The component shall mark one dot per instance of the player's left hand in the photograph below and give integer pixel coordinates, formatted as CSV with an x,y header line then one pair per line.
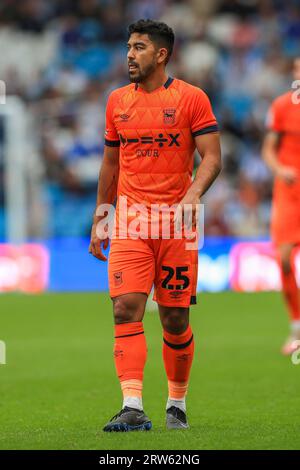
x,y
187,211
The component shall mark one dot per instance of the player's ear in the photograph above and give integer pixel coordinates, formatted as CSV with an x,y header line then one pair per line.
x,y
162,55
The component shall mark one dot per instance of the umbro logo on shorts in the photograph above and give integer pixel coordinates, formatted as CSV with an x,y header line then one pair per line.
x,y
175,294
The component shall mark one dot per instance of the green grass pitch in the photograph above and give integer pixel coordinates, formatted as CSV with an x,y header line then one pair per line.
x,y
59,386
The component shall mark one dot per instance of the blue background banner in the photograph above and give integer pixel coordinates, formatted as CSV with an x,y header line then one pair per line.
x,y
72,268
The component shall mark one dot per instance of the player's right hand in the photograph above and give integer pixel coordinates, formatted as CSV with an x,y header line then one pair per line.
x,y
96,244
287,174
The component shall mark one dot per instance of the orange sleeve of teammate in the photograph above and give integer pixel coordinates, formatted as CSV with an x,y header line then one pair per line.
x,y
274,117
111,134
202,117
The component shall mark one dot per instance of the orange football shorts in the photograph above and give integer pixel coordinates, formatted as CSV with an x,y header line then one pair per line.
x,y
285,218
135,265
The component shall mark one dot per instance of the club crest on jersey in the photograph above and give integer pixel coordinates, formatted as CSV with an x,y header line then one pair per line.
x,y
169,115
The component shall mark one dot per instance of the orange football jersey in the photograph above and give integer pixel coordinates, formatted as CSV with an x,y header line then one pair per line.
x,y
284,118
155,132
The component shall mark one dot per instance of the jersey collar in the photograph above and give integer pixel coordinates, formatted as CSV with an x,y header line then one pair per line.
x,y
165,85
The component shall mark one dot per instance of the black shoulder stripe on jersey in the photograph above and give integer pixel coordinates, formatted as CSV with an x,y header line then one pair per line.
x,y
112,143
168,82
179,346
206,130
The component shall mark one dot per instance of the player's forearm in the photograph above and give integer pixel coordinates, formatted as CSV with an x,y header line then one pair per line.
x,y
107,185
270,157
270,151
271,160
206,174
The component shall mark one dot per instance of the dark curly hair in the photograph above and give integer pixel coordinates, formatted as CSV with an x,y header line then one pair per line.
x,y
159,33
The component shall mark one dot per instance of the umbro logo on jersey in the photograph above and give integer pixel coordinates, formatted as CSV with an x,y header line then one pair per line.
x,y
161,139
169,115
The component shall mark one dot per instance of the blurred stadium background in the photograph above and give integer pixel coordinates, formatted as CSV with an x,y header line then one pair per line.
x,y
60,59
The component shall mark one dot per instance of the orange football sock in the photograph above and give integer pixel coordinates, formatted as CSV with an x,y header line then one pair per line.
x,y
291,292
178,353
130,353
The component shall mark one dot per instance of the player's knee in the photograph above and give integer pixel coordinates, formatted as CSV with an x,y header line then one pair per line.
x,y
175,321
285,261
126,310
122,313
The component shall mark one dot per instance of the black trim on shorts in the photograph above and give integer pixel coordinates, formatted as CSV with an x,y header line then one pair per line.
x,y
206,130
179,346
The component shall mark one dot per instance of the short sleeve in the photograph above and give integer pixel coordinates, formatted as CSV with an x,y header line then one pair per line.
x,y
274,118
203,119
111,138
